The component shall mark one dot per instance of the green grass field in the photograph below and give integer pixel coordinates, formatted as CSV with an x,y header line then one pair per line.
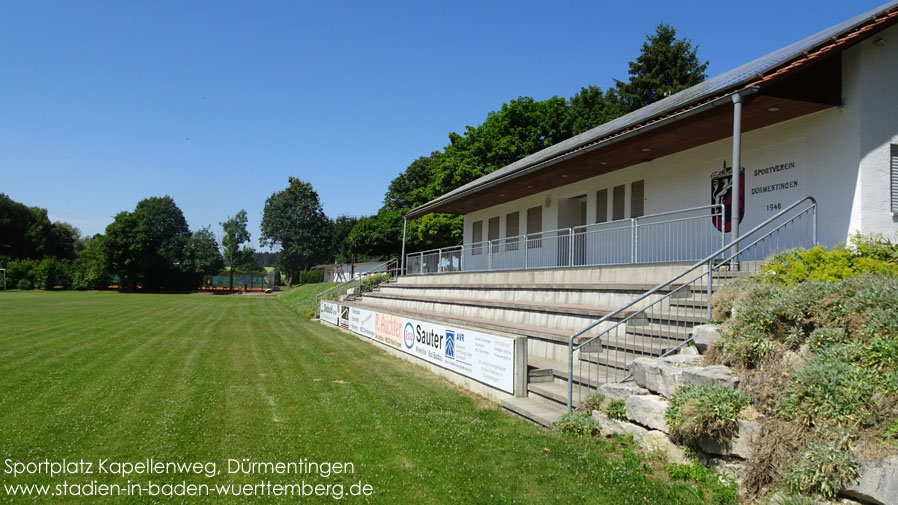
x,y
205,378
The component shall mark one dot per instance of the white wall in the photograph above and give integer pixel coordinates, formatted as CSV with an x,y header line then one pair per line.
x,y
840,156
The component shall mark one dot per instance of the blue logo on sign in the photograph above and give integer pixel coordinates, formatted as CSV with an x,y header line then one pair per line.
x,y
409,335
450,344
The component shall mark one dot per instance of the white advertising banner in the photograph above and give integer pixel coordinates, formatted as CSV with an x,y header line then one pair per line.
x,y
330,312
483,357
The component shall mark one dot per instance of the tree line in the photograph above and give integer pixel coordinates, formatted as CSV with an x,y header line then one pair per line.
x,y
153,247
666,64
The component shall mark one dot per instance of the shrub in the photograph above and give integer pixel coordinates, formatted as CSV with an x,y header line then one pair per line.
x,y
865,254
369,283
593,401
616,409
830,390
311,276
823,468
24,285
696,411
578,424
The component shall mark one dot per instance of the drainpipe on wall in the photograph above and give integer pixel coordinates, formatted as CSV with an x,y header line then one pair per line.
x,y
402,260
737,165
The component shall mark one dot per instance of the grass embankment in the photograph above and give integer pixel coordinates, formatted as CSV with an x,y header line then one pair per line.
x,y
208,378
815,340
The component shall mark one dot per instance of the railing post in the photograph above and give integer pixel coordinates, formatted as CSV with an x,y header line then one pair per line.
x,y
710,282
439,260
634,225
402,257
814,225
525,252
570,259
570,375
489,257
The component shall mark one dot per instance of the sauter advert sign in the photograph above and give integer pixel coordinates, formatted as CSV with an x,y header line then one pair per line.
x,y
483,357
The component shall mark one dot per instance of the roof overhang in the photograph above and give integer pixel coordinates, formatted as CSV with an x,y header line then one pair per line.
x,y
808,83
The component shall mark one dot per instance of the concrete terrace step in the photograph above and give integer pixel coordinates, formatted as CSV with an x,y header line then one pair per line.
x,y
624,288
494,326
556,391
585,374
641,344
535,409
663,331
578,310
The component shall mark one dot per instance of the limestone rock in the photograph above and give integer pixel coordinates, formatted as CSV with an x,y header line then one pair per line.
x,y
661,375
610,426
688,350
621,390
704,335
647,410
740,445
878,483
711,375
650,440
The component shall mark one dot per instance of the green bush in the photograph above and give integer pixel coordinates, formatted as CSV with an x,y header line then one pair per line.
x,y
703,411
865,254
823,468
578,424
593,401
724,489
858,309
369,283
311,276
24,285
831,390
616,409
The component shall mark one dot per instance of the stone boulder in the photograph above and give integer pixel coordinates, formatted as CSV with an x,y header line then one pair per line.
x,y
704,335
711,375
649,440
648,411
878,483
740,445
662,375
621,390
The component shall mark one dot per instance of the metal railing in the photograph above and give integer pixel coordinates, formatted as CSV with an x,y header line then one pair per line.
x,y
681,235
390,268
661,320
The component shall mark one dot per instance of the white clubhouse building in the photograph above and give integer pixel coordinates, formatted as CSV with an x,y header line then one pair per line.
x,y
818,118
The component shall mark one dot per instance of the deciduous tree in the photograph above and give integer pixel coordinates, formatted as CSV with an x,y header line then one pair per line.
x,y
294,220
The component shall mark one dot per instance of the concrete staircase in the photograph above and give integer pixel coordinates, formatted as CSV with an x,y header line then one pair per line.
x,y
547,306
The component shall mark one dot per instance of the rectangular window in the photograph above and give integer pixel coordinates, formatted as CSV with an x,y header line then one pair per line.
x,y
534,226
894,179
617,211
637,199
512,230
602,206
493,232
476,237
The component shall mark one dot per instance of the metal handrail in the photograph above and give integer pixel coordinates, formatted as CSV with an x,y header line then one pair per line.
x,y
579,227
699,264
379,269
573,234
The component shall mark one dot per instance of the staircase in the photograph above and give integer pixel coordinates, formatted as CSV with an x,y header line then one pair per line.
x,y
585,325
547,306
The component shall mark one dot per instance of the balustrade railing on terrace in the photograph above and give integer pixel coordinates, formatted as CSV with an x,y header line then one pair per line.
x,y
388,269
660,321
681,235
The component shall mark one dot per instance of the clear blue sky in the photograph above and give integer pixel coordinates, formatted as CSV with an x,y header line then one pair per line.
x,y
217,103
